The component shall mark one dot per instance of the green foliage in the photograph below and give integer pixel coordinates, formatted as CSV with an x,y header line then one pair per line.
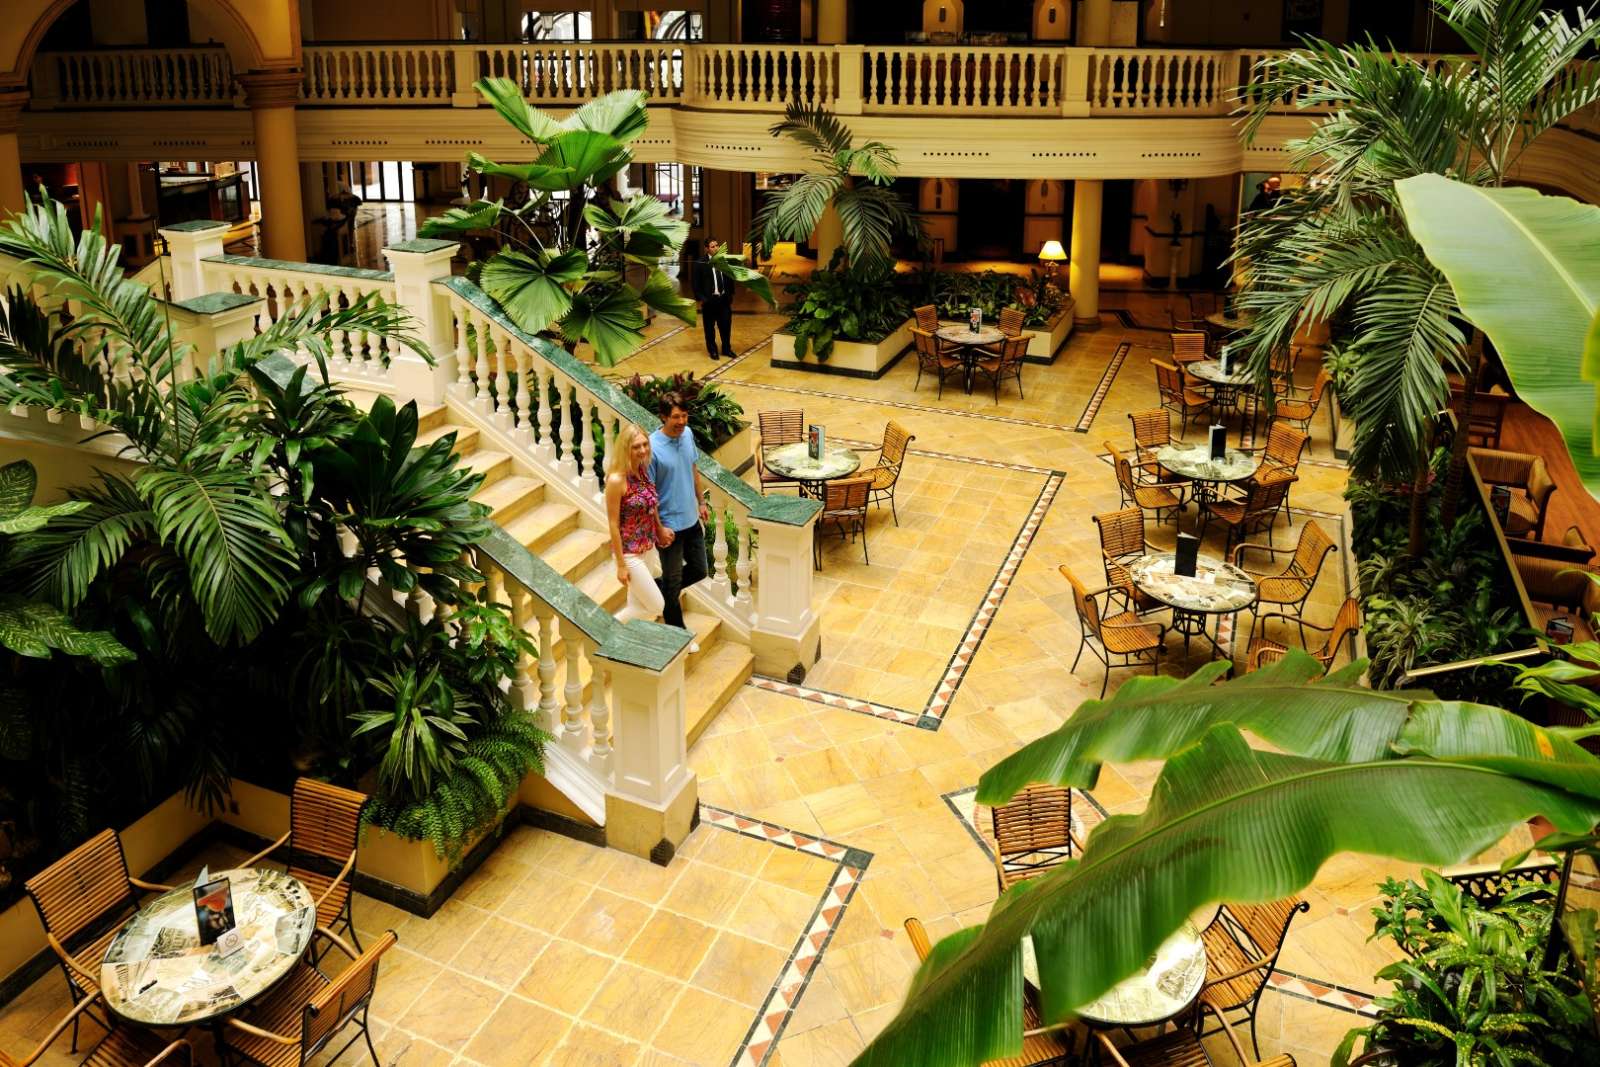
x,y
714,415
955,293
1472,990
846,304
545,276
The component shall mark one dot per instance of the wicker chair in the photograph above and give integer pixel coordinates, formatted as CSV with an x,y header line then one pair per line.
x,y
1123,635
928,318
1288,589
1176,395
1033,833
1152,431
1285,445
844,507
778,428
1257,510
1528,478
307,1002
1300,411
1263,650
1010,324
1147,496
1121,542
1180,1048
83,898
1242,946
1051,1047
1008,364
886,474
1188,348
1488,414
324,825
122,1046
932,358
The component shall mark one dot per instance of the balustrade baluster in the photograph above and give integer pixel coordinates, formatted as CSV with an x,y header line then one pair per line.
x,y
599,716
719,551
526,684
337,340
524,398
548,712
744,569
481,330
463,358
547,415
569,438
590,482
501,408
572,724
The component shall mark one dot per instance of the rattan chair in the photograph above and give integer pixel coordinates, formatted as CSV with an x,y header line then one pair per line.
x,y
1257,510
83,898
303,1014
1123,634
1285,446
932,358
1177,396
122,1046
1008,364
324,826
1300,411
1242,946
1033,833
928,318
1121,542
1180,1047
777,428
891,458
1288,589
1262,650
1152,431
1051,1047
1010,324
844,507
1527,476
1488,414
1158,497
1188,348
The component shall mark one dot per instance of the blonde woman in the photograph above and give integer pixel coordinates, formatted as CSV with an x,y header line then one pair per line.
x,y
632,506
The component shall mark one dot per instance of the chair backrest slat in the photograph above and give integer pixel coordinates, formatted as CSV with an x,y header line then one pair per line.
x,y
1285,445
1011,321
83,887
896,440
1312,549
324,820
785,427
1038,817
1151,429
1121,532
1191,346
1347,622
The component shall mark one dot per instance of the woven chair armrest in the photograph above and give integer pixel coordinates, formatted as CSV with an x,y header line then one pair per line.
x,y
269,850
188,1052
258,1032
1290,618
1227,1028
1105,1043
343,945
1238,550
344,872
1133,626
66,958
59,1028
1240,972
153,887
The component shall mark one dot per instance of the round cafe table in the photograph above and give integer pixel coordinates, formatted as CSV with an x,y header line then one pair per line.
x,y
970,344
795,463
1161,991
156,972
1217,588
1226,388
1194,462
1242,320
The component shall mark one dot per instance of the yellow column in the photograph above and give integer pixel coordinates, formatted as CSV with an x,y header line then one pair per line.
x,y
828,235
832,21
271,95
1085,269
12,197
1095,29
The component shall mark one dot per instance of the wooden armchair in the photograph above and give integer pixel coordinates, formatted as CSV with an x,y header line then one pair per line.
x,y
1281,456
777,428
83,899
1188,348
1177,396
1263,650
891,458
1242,946
122,1046
1010,324
1033,833
844,507
298,1019
1152,431
927,318
1039,1046
1488,414
1288,589
1529,480
1258,509
1301,410
1122,541
932,358
1123,635
324,825
1159,497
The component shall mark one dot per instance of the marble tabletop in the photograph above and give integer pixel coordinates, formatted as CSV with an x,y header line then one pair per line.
x,y
1216,587
1195,462
1210,370
1241,320
794,461
1162,990
961,335
157,973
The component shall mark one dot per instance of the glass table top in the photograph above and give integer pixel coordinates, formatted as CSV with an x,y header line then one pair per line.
x,y
1215,587
1194,461
794,461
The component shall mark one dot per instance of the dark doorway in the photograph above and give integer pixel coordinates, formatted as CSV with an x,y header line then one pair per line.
x,y
1116,208
166,23
990,224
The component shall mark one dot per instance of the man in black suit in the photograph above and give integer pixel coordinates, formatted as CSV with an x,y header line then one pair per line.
x,y
714,290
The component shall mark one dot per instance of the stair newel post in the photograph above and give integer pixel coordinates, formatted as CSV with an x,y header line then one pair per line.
x,y
189,245
420,267
524,433
480,330
569,438
463,384
599,712
653,797
527,688
572,711
745,571
787,634
547,416
588,480
549,714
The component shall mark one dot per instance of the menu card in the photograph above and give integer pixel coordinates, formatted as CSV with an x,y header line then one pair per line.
x,y
814,441
1188,555
1219,441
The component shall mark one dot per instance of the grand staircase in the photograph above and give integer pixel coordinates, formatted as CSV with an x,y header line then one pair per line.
x,y
578,548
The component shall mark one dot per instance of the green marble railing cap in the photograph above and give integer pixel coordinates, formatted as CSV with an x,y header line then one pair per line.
x,y
784,511
422,244
648,645
211,303
196,226
292,267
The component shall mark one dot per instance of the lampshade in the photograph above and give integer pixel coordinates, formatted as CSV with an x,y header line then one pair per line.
x,y
1053,252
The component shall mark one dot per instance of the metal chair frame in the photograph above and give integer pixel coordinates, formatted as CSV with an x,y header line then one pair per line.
x,y
1309,554
1092,624
845,507
1226,922
1176,395
120,1047
311,793
932,357
891,460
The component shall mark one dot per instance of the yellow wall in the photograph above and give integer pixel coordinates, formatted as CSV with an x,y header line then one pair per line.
x,y
394,20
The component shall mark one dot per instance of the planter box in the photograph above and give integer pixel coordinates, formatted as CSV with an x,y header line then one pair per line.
x,y
1047,340
737,453
853,359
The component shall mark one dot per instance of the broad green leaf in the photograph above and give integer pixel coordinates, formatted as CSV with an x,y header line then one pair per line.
x,y
643,226
63,559
454,222
36,518
18,480
579,157
532,289
610,321
661,292
34,628
735,268
505,96
1489,737
621,114
1225,822
531,173
1526,270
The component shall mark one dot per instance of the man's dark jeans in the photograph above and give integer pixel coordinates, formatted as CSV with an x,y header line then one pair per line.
x,y
682,564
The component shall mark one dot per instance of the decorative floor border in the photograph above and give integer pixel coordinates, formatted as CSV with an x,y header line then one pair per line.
x,y
836,700
784,996
1098,397
725,365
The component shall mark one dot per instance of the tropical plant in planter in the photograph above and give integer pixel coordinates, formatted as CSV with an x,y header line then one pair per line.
x,y
715,416
956,292
838,304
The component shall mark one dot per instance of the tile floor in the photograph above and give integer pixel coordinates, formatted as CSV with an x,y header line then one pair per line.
x,y
776,935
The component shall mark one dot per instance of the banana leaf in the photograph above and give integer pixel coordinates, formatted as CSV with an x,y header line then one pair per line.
x,y
1526,271
754,280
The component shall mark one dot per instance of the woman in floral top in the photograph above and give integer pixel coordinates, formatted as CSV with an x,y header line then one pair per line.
x,y
635,524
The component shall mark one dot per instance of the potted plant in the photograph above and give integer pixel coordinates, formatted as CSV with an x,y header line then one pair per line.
x,y
856,322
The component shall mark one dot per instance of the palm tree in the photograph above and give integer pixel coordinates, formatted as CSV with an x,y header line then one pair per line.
x,y
1340,250
1342,768
871,215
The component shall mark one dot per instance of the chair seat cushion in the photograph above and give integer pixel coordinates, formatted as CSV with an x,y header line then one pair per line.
x,y
882,477
1193,399
1524,516
771,477
1126,632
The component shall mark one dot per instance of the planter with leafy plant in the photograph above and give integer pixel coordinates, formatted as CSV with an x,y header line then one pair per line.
x,y
715,417
853,322
1046,308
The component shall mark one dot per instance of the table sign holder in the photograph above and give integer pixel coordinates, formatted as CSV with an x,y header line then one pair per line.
x,y
1559,630
814,441
1500,501
1227,361
213,911
230,942
1187,556
975,319
1219,441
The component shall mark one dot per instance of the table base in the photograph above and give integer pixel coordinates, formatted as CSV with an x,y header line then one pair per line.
x,y
1192,624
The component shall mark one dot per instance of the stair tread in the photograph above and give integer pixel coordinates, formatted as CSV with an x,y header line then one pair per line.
x,y
568,554
509,496
466,437
711,682
482,459
601,586
535,525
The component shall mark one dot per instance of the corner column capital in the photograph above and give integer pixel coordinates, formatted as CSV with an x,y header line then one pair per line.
x,y
270,88
13,98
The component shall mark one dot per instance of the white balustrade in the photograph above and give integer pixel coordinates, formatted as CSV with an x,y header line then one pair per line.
x,y
378,74
764,77
1147,81
963,80
162,77
573,73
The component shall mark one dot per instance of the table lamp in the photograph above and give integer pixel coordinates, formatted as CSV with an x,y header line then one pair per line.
x,y
1051,254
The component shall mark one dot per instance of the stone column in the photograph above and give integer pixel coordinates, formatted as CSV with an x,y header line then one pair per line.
x,y
833,21
313,201
1085,269
1095,29
828,235
12,197
271,96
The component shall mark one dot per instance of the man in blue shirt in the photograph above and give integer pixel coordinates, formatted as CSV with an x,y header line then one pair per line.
x,y
682,506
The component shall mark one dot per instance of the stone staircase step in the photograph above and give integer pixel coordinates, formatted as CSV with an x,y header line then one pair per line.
x,y
707,630
576,551
712,682
510,497
601,586
466,437
491,464
543,525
